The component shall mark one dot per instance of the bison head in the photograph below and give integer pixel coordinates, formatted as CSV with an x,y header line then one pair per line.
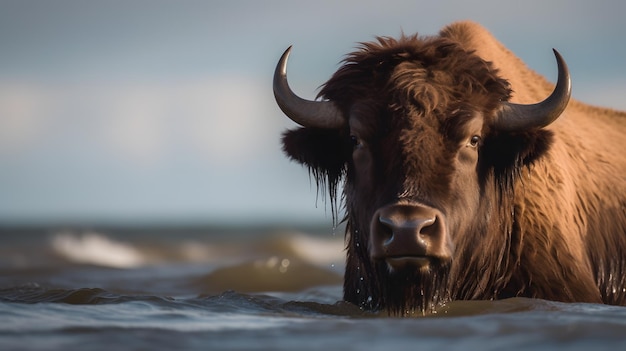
x,y
429,148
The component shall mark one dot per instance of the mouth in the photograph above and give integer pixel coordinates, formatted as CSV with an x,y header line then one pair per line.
x,y
404,262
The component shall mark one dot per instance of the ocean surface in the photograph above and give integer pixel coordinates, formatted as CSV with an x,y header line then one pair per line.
x,y
244,289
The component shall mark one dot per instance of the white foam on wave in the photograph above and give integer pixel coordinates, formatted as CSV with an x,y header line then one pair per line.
x,y
194,251
319,251
94,248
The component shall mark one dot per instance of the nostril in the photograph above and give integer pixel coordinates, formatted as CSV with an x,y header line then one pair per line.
x,y
428,228
387,225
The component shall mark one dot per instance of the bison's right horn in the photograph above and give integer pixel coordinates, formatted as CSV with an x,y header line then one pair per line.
x,y
307,113
518,117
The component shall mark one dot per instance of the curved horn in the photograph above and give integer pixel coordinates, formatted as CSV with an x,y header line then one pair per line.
x,y
307,113
516,117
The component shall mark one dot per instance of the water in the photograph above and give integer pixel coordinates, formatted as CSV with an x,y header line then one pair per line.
x,y
245,289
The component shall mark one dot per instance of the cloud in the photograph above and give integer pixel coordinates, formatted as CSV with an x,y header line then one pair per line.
x,y
21,112
222,119
134,127
226,118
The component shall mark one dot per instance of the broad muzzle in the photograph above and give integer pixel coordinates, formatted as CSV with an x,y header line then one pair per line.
x,y
409,234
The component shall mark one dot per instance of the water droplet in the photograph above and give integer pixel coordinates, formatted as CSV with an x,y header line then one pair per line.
x,y
284,264
358,291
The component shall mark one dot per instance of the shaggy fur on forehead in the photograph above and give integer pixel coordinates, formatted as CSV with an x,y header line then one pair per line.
x,y
428,74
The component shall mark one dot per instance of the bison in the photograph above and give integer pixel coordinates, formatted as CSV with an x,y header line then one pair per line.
x,y
457,183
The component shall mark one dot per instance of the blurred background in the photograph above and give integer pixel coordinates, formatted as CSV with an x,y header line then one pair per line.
x,y
161,112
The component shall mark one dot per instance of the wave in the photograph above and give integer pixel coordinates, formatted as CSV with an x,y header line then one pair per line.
x,y
225,302
97,249
310,302
105,250
176,263
278,291
272,274
317,251
39,318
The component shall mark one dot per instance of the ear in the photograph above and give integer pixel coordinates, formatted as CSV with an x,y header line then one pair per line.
x,y
507,153
322,150
325,152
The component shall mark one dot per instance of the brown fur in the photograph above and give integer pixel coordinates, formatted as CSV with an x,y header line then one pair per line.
x,y
534,214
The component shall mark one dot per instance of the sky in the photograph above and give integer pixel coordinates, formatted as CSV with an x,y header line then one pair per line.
x,y
147,112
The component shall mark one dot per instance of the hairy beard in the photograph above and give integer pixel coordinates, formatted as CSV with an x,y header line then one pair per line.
x,y
415,291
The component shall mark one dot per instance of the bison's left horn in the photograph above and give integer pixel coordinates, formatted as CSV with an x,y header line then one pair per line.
x,y
307,113
517,117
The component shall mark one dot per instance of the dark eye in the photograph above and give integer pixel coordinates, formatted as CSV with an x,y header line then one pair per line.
x,y
474,141
355,141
